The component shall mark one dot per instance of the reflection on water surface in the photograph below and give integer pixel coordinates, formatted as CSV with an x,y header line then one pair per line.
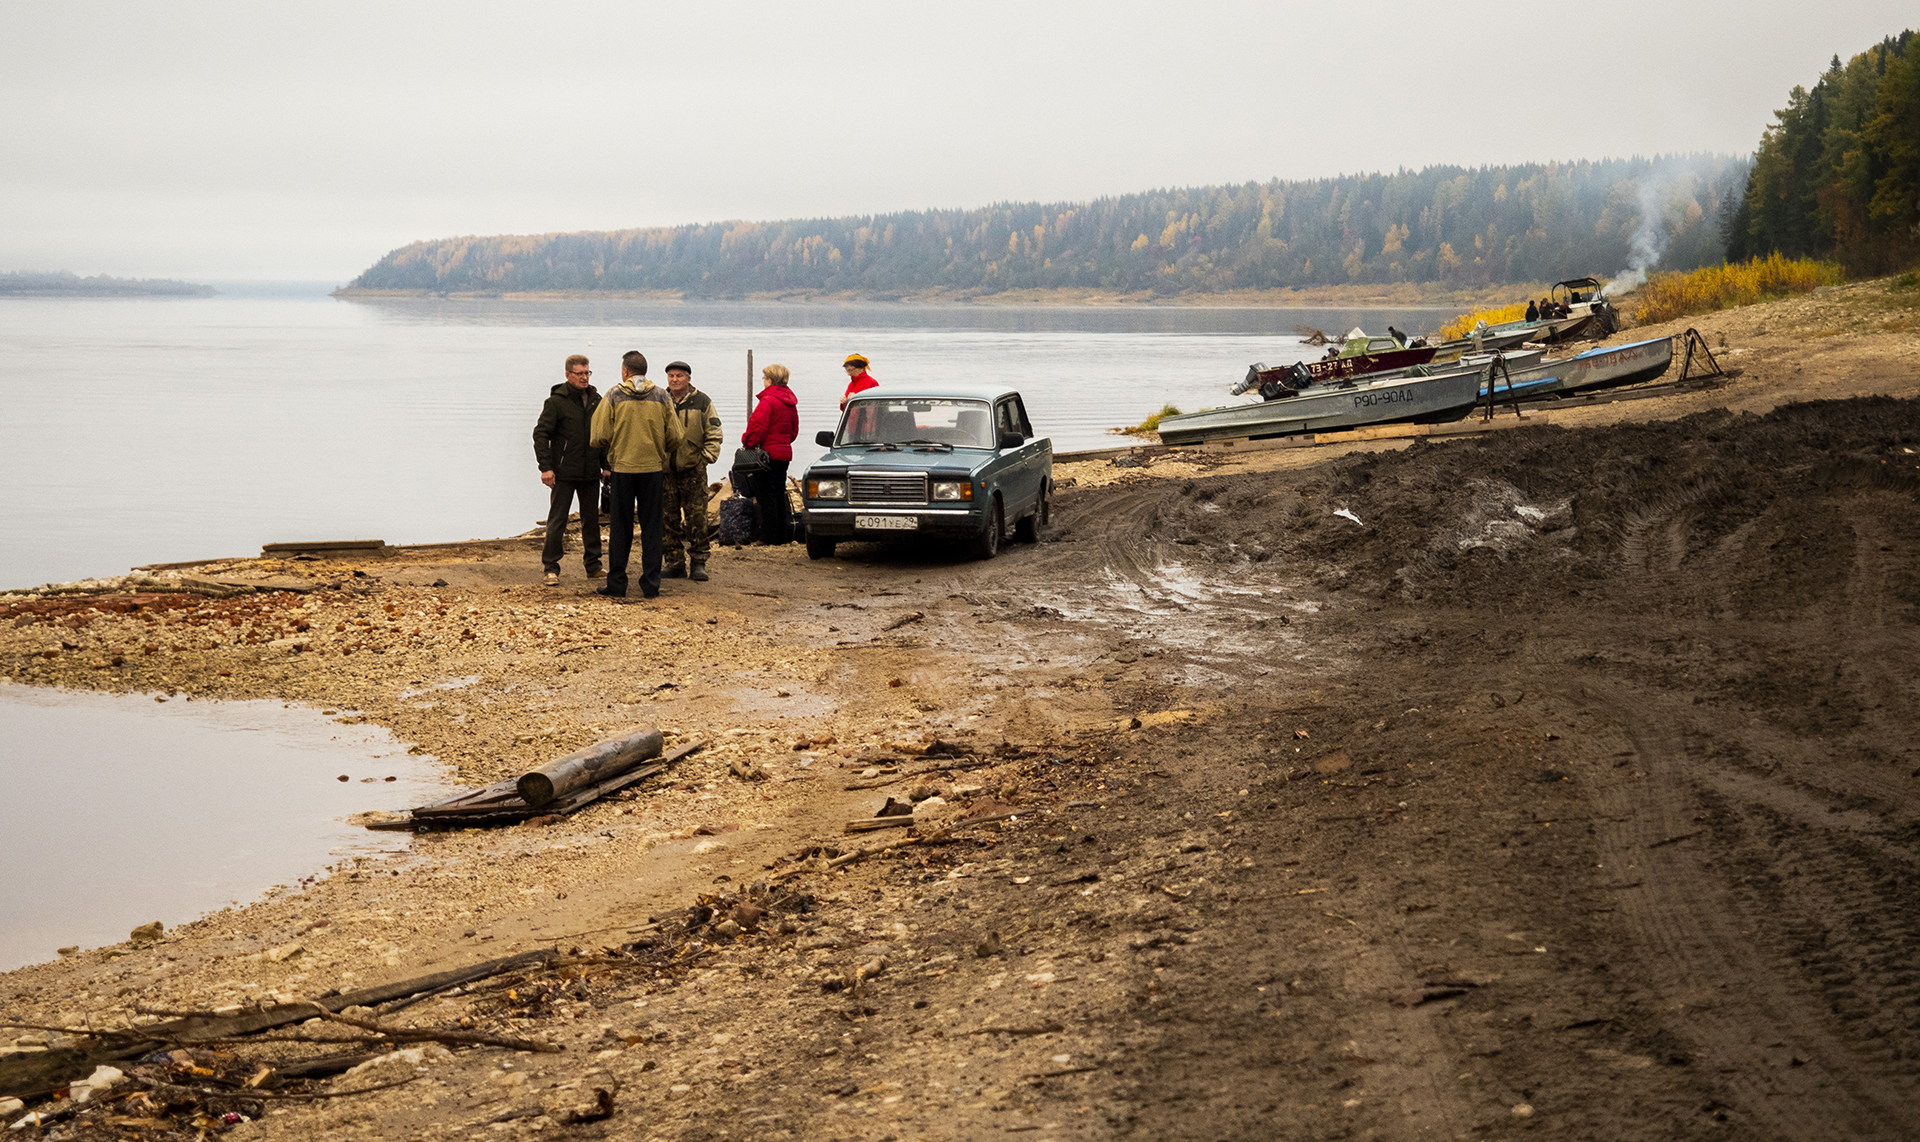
x,y
123,810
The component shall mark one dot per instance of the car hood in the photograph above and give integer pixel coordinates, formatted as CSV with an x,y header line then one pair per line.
x,y
960,459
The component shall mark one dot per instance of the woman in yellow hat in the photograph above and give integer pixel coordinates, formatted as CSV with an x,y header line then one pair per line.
x,y
858,379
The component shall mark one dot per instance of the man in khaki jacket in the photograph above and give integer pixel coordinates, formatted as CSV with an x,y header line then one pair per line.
x,y
686,492
640,434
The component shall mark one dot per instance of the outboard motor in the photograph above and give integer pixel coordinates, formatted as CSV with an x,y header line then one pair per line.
x,y
1252,379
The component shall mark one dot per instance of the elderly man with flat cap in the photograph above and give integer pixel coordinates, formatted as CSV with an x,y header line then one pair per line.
x,y
685,499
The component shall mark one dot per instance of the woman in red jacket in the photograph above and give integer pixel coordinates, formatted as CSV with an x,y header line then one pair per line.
x,y
773,426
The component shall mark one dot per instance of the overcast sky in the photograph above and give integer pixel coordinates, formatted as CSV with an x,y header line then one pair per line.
x,y
305,140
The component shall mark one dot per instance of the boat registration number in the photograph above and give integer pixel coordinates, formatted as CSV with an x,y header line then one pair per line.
x,y
887,522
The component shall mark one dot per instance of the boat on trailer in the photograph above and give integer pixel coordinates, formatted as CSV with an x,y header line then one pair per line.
x,y
1420,394
1359,355
1609,366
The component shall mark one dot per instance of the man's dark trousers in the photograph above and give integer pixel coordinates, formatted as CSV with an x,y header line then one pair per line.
x,y
559,506
646,489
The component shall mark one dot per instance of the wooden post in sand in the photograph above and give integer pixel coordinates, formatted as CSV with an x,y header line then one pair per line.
x,y
588,766
749,385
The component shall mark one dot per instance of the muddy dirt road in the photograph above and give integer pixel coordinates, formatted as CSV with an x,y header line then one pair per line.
x,y
1572,788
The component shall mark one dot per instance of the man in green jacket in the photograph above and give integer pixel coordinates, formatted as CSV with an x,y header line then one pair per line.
x,y
686,492
569,467
636,426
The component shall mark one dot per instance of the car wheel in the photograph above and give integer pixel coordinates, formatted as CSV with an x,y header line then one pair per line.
x,y
988,545
1027,530
819,547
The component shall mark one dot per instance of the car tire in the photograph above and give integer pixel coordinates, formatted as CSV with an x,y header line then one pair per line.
x,y
1027,530
820,547
988,544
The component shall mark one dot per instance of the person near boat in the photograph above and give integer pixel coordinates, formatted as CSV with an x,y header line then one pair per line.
x,y
1533,310
772,427
570,467
637,427
685,495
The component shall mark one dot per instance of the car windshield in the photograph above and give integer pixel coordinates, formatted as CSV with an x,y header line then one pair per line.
x,y
917,421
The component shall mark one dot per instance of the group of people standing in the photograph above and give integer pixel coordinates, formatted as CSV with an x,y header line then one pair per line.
x,y
1546,310
650,448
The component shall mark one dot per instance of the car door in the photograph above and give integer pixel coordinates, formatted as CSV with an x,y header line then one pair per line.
x,y
1018,486
1038,457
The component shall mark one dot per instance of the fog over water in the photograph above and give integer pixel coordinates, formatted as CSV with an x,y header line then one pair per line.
x,y
146,430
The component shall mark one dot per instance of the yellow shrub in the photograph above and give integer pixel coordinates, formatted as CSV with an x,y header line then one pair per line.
x,y
1148,426
1463,325
1667,296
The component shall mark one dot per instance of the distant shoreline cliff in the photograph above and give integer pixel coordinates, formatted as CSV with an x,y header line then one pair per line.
x,y
64,284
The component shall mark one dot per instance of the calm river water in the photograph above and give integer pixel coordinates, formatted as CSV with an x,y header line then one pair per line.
x,y
124,810
152,430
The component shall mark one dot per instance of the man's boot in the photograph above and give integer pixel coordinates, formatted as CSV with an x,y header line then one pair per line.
x,y
699,572
673,571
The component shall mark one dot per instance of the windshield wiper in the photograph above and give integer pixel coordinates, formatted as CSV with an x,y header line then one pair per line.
x,y
883,447
930,443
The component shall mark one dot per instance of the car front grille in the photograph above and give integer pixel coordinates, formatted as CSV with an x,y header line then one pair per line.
x,y
876,489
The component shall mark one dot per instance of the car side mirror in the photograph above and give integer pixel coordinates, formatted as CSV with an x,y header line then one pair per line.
x,y
1012,439
823,438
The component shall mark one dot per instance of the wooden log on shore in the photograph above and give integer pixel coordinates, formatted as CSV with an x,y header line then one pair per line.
x,y
337,547
589,766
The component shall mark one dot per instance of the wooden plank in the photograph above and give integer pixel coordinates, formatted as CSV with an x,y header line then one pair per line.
x,y
1373,432
1102,453
274,583
1498,423
369,546
191,563
1298,440
869,824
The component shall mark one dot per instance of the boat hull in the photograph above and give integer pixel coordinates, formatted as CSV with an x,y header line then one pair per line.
x,y
1606,367
1332,369
1445,396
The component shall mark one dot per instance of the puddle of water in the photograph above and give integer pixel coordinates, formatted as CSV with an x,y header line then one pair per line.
x,y
123,810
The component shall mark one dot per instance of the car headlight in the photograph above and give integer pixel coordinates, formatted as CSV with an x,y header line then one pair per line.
x,y
827,489
952,490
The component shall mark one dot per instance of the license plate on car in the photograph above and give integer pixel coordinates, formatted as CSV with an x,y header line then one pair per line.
x,y
887,522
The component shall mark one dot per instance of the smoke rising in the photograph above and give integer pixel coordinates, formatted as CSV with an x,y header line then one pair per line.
x,y
1649,240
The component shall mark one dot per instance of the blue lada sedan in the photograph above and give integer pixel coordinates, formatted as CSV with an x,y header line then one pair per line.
x,y
947,462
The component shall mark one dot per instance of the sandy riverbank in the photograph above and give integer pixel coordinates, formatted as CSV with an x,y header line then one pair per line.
x,y
1462,819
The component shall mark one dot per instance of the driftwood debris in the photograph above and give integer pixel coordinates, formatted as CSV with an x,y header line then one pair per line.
x,y
869,824
41,1073
336,547
953,764
589,766
502,804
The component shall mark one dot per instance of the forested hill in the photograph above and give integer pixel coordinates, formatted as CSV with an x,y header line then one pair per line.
x,y
1838,174
65,284
1447,224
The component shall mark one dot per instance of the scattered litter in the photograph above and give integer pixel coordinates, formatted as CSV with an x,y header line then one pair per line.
x,y
1344,513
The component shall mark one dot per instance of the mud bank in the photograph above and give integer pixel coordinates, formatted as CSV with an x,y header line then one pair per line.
x,y
1572,789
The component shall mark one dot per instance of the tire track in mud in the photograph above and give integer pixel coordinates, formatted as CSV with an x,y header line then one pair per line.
x,y
1112,572
1734,1002
1766,869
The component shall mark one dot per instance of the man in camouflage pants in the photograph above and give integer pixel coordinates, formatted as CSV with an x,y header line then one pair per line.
x,y
688,541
